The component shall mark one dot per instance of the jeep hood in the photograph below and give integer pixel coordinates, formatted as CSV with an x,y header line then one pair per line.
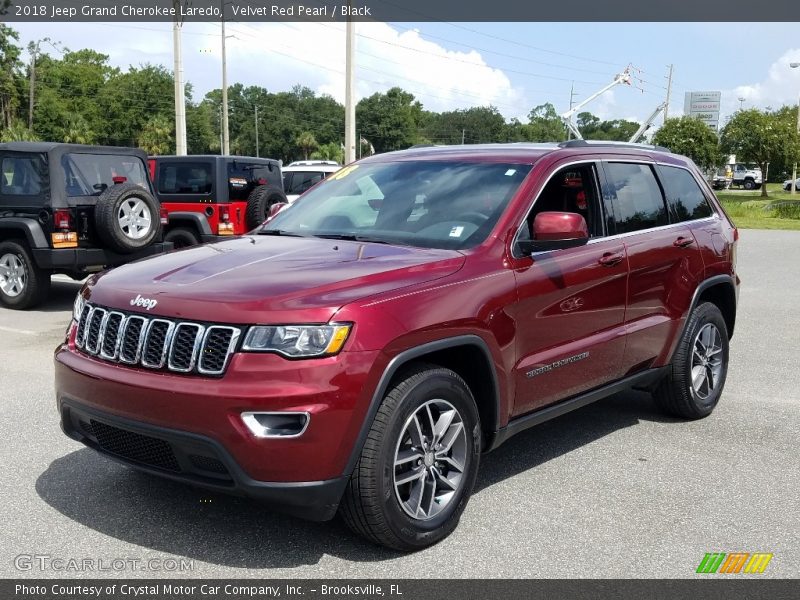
x,y
256,279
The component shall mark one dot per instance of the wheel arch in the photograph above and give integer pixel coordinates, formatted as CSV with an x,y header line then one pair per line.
x,y
194,220
720,291
21,228
466,355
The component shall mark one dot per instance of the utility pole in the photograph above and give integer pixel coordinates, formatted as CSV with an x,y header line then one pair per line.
x,y
350,95
225,133
571,102
34,48
256,118
669,92
180,102
463,135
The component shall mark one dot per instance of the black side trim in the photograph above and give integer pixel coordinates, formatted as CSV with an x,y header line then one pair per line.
x,y
30,227
195,219
405,357
312,500
643,379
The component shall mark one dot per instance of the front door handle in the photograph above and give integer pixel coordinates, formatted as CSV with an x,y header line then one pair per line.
x,y
683,242
610,259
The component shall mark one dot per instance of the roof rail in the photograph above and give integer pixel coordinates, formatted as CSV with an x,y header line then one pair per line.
x,y
611,143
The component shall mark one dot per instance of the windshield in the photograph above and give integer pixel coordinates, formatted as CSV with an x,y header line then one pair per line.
x,y
91,174
429,204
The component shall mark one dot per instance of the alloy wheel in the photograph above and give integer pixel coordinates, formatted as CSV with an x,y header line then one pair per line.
x,y
706,361
13,276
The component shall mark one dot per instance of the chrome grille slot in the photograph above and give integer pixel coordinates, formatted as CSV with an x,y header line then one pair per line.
x,y
218,344
186,343
80,335
109,347
155,343
132,338
93,327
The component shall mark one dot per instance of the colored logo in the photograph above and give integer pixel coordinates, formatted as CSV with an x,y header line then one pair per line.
x,y
734,562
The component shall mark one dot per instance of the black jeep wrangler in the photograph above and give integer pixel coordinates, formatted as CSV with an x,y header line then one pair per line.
x,y
71,209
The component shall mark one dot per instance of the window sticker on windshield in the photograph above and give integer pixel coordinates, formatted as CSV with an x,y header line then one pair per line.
x,y
456,231
342,173
238,182
510,172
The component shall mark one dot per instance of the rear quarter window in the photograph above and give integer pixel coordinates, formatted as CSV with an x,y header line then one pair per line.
x,y
185,178
686,200
21,176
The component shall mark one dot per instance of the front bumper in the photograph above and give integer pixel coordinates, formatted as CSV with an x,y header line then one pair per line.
x,y
194,459
76,259
194,424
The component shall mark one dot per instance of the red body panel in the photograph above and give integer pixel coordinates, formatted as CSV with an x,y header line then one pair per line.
x,y
554,324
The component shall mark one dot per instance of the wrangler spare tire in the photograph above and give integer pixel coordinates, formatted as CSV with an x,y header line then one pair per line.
x,y
259,202
127,217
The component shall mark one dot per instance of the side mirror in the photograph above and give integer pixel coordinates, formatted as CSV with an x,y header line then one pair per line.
x,y
556,231
275,209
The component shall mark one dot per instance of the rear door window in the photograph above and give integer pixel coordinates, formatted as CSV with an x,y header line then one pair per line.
x,y
686,200
638,201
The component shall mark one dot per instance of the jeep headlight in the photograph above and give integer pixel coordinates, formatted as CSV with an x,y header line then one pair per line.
x,y
77,307
297,341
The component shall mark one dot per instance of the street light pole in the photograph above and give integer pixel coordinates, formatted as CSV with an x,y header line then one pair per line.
x,y
793,184
225,134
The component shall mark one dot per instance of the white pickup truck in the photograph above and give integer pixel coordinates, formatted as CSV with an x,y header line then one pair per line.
x,y
746,176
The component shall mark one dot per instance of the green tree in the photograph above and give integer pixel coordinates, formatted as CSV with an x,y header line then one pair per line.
x,y
690,137
18,132
329,151
77,131
544,125
389,121
307,143
9,75
761,137
158,136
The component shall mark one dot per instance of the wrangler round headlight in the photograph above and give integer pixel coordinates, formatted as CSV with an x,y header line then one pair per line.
x,y
297,341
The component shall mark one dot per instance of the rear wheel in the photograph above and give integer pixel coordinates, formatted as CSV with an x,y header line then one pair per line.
x,y
181,237
749,184
22,284
419,462
259,202
697,374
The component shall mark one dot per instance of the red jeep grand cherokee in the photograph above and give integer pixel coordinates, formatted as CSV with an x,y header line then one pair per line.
x,y
362,349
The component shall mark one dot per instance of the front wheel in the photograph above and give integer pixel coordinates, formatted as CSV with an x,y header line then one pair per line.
x,y
693,386
419,462
749,184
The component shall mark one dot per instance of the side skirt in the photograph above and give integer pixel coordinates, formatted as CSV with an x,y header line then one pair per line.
x,y
644,379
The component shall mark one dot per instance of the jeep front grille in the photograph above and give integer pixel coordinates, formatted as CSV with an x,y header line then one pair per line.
x,y
155,343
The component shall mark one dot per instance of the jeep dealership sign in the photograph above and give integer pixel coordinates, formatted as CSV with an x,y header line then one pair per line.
x,y
703,106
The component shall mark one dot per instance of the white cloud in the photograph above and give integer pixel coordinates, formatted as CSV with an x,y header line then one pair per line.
x,y
781,86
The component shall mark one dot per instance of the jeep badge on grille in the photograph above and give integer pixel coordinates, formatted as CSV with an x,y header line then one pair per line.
x,y
147,303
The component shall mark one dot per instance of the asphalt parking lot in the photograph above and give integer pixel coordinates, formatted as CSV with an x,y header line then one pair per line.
x,y
612,490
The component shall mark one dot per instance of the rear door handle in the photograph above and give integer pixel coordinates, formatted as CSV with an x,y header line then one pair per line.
x,y
610,259
682,242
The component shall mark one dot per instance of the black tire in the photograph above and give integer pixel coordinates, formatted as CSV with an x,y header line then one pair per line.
x,y
371,505
33,283
259,202
109,209
749,184
181,237
676,394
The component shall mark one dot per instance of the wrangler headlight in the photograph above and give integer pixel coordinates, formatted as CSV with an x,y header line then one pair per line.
x,y
297,341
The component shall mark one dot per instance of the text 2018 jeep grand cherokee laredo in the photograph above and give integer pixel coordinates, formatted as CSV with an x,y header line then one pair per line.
x,y
360,351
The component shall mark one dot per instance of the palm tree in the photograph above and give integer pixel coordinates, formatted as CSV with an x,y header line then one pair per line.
x,y
307,143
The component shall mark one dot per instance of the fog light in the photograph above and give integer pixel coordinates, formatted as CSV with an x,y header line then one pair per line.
x,y
276,424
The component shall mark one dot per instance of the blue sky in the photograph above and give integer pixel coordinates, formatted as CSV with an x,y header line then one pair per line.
x,y
514,66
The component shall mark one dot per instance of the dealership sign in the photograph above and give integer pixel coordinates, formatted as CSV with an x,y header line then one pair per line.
x,y
703,106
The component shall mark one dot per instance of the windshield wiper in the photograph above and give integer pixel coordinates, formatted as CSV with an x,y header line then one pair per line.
x,y
352,237
282,232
